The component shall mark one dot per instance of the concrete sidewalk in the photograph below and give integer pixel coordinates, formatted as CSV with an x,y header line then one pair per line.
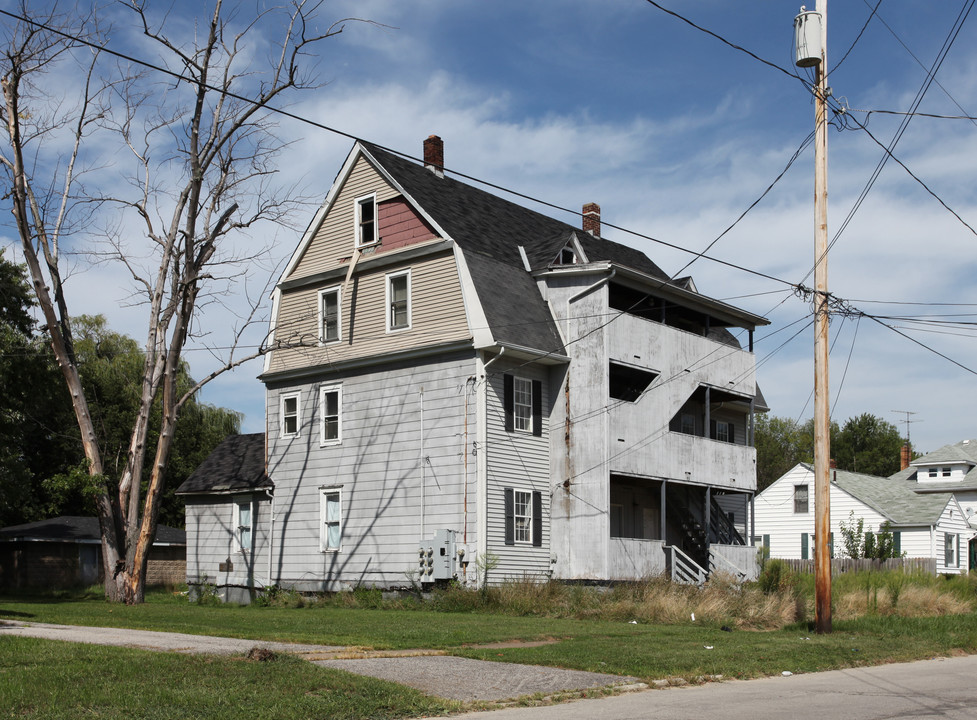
x,y
430,671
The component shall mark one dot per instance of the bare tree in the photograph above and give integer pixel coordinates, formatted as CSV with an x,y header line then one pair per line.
x,y
201,146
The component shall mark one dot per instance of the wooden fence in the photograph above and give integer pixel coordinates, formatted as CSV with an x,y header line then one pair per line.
x,y
843,565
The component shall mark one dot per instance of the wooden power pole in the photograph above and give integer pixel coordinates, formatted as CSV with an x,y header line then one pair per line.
x,y
815,55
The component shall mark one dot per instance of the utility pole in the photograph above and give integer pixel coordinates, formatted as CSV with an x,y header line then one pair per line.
x,y
816,57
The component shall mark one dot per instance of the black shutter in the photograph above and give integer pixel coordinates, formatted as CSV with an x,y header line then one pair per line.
x,y
537,408
510,519
537,518
804,546
732,432
507,404
712,429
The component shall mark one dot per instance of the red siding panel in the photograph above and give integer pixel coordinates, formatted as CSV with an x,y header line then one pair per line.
x,y
400,225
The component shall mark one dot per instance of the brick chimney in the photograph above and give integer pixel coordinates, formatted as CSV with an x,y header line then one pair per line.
x,y
434,155
905,455
591,219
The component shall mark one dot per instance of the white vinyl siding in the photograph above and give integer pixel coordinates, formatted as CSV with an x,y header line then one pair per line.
x,y
517,462
208,521
388,496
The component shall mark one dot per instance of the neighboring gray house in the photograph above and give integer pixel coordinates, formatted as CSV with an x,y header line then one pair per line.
x,y
463,388
925,524
65,552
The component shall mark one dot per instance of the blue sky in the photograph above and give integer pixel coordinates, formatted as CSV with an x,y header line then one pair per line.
x,y
675,134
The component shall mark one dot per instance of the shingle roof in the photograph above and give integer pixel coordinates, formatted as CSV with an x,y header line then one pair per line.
x,y
236,465
490,230
963,451
72,528
896,500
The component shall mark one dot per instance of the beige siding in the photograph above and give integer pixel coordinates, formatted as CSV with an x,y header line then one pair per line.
x,y
437,316
334,240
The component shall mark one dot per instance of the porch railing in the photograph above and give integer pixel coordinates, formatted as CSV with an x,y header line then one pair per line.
x,y
720,563
683,568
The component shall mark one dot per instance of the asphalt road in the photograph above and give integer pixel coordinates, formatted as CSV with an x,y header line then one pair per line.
x,y
939,688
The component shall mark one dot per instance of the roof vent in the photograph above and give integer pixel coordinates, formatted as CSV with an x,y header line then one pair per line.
x,y
434,155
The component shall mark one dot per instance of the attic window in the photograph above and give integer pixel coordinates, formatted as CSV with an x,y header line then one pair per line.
x,y
567,256
366,220
627,383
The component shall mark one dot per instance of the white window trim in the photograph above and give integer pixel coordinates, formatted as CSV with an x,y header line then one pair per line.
x,y
324,492
358,204
954,550
298,414
807,499
387,310
516,516
338,389
238,525
516,380
337,289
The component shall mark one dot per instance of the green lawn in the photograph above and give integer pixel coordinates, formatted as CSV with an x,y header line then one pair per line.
x,y
35,674
49,679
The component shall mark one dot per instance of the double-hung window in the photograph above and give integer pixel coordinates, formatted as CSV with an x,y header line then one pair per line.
x,y
800,498
331,409
398,301
330,317
290,415
724,431
523,517
331,519
242,512
523,404
366,221
950,550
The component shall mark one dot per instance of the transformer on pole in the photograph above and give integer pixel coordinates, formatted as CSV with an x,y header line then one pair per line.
x,y
810,33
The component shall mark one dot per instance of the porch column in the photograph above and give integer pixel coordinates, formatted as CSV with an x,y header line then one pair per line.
x,y
663,526
707,431
752,420
708,517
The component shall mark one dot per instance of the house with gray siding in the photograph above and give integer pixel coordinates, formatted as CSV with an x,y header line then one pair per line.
x,y
460,388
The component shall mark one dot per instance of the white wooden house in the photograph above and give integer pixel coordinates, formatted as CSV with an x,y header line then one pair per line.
x,y
924,525
464,388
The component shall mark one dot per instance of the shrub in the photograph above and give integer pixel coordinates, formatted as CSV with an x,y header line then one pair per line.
x,y
776,577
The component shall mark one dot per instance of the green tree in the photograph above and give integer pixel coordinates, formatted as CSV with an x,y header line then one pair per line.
x,y
111,365
867,444
780,444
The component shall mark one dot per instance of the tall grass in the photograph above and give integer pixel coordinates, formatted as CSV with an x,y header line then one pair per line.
x,y
777,599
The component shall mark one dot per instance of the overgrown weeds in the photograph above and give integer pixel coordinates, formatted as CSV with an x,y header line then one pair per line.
x,y
777,599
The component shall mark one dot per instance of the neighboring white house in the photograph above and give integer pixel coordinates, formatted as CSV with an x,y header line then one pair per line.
x,y
925,525
459,384
951,469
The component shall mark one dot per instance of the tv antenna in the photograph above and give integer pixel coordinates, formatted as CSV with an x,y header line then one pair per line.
x,y
908,422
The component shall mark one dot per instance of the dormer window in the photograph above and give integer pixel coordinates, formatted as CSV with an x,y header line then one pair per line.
x,y
567,256
366,221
